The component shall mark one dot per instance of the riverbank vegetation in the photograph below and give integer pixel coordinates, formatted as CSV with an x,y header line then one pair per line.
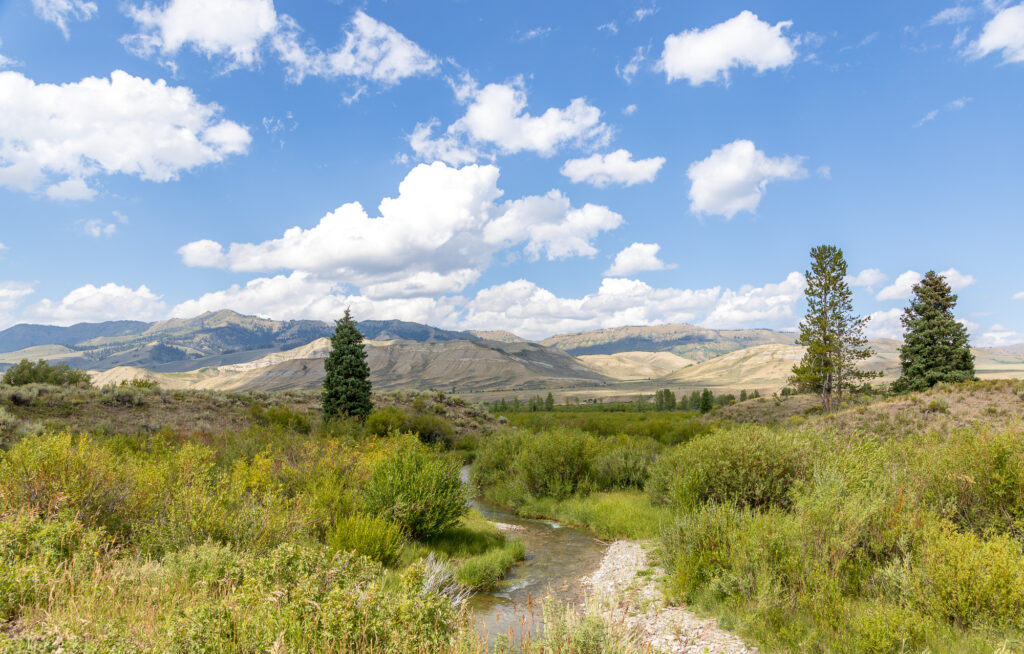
x,y
893,525
283,533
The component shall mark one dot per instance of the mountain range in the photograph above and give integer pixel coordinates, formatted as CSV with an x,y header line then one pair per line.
x,y
228,351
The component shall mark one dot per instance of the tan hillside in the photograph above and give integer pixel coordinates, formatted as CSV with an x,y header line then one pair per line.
x,y
467,365
498,335
761,367
36,352
629,366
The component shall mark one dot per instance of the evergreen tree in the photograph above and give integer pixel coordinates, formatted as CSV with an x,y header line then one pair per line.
x,y
670,400
743,395
707,401
935,347
832,334
549,402
346,389
695,401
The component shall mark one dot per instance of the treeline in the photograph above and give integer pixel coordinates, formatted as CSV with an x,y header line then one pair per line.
x,y
662,400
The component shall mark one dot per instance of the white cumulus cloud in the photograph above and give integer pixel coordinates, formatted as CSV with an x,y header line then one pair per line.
x,y
1003,33
60,12
999,336
617,167
1018,296
91,303
496,120
57,136
759,306
868,278
638,257
11,295
304,295
371,50
234,29
701,56
733,178
903,286
885,324
434,237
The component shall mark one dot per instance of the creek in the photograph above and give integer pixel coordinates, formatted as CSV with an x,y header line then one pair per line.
x,y
557,558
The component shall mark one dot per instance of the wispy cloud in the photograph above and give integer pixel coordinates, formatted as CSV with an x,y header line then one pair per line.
x,y
953,105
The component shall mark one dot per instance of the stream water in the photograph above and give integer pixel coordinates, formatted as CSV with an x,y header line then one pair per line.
x,y
557,557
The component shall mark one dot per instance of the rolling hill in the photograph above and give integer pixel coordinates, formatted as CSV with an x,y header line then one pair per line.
x,y
443,365
628,366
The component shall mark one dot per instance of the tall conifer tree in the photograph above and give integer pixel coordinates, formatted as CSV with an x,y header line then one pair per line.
x,y
346,389
935,347
832,334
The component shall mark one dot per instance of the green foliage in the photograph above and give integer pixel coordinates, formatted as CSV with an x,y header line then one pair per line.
x,y
374,537
935,346
26,372
664,400
967,580
707,401
557,463
618,514
832,334
387,420
346,387
417,489
623,462
484,571
753,466
429,427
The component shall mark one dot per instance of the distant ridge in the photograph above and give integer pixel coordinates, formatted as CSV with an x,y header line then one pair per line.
x,y
688,341
215,338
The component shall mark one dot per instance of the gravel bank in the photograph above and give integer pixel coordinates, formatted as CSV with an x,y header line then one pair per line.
x,y
627,588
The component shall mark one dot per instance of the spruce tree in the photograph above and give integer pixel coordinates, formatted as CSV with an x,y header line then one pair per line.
x,y
346,389
935,347
549,402
707,401
832,334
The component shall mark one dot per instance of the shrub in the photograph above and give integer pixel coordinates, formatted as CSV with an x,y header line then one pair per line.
x,y
375,537
418,489
41,372
967,580
431,428
386,420
751,466
624,463
280,416
557,463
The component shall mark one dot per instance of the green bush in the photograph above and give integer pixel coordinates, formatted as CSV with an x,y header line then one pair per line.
x,y
557,463
623,462
372,536
751,466
41,372
418,489
386,421
431,428
968,580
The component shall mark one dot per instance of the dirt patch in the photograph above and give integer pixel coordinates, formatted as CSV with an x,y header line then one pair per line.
x,y
627,588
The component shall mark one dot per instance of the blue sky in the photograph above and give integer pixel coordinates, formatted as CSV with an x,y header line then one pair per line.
x,y
539,167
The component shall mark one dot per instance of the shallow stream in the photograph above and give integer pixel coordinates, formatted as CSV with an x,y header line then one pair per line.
x,y
557,558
